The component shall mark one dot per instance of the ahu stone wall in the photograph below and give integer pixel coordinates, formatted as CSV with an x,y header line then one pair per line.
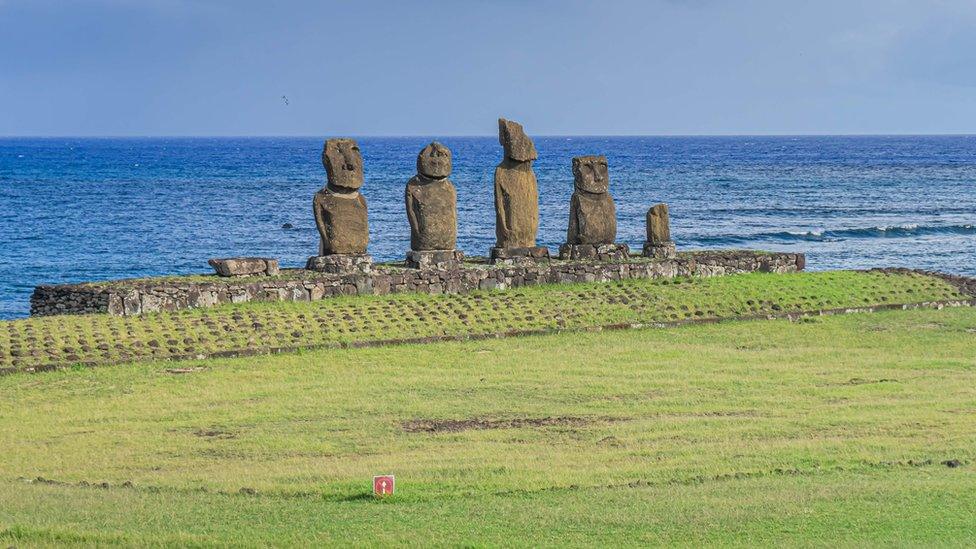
x,y
132,297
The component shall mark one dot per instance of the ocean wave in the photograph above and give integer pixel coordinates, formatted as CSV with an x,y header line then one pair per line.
x,y
835,235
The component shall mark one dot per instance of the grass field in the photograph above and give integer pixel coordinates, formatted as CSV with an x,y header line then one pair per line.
x,y
846,430
259,327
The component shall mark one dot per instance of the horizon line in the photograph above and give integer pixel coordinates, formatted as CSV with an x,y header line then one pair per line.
x,y
463,136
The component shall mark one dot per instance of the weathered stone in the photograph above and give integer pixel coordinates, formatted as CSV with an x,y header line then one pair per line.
x,y
434,161
658,224
152,295
592,219
432,202
659,251
516,205
518,146
341,219
245,266
599,252
340,263
343,164
591,174
439,260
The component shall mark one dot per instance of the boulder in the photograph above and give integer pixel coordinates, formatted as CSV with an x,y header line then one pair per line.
x,y
245,266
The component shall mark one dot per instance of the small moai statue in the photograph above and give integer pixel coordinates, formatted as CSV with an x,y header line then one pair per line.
x,y
516,199
432,211
340,212
592,214
659,244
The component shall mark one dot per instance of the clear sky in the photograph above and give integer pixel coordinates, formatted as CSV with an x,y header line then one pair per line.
x,y
451,67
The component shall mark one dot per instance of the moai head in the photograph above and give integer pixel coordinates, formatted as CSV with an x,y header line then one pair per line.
x,y
343,164
434,162
518,146
591,175
658,224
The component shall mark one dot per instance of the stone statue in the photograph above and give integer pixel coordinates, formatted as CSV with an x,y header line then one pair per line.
x,y
592,214
659,243
516,196
340,210
431,202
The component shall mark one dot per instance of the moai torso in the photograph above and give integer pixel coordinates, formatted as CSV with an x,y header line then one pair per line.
x,y
342,222
339,208
658,224
592,213
516,189
431,201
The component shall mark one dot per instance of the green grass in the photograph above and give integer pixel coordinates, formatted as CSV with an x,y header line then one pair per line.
x,y
832,431
258,327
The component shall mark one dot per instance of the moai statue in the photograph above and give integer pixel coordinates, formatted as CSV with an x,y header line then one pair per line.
x,y
659,244
340,212
592,214
516,199
432,211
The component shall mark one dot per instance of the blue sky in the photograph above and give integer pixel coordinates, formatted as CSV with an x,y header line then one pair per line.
x,y
451,67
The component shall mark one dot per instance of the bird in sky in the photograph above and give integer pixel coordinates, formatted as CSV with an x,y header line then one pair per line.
x,y
285,99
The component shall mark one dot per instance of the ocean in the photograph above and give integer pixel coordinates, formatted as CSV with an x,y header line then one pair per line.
x,y
77,209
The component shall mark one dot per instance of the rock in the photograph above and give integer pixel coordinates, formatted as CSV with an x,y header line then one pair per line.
x,y
245,266
287,226
432,202
658,224
592,213
434,259
518,146
598,252
343,164
434,161
340,264
342,222
339,208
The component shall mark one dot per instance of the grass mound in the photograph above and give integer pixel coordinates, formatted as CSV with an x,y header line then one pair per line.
x,y
851,430
259,327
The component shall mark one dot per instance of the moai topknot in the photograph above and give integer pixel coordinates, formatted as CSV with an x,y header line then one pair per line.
x,y
659,243
432,211
340,211
516,198
592,214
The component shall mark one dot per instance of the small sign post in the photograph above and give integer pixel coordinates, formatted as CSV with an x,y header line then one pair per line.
x,y
383,485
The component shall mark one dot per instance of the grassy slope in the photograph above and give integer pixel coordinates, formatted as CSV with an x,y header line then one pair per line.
x,y
818,432
103,339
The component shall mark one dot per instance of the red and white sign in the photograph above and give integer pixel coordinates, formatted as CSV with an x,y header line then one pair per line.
x,y
383,485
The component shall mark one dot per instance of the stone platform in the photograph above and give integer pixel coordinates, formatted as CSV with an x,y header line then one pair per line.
x,y
132,297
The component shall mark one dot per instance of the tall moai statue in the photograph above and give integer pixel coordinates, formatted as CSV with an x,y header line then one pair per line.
x,y
659,244
592,214
340,212
516,199
432,211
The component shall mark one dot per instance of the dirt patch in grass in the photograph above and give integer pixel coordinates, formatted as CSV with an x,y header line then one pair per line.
x,y
457,425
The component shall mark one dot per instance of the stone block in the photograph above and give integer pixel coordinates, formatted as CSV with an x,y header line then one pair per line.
x,y
664,250
598,252
341,263
436,260
245,266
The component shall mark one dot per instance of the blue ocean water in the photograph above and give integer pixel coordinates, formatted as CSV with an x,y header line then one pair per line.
x,y
75,209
